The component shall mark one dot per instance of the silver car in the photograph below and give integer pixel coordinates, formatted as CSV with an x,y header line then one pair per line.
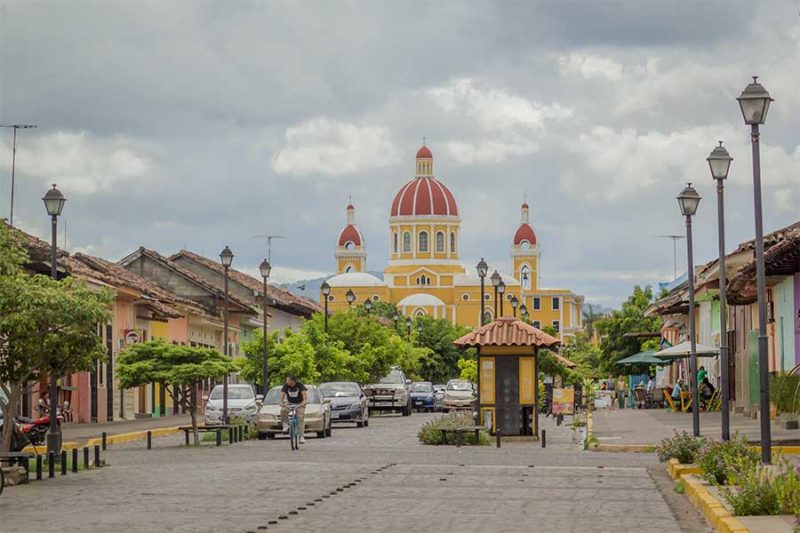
x,y
348,402
242,402
459,394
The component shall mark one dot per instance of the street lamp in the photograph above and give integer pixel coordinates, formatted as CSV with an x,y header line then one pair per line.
x,y
419,332
523,311
688,201
514,304
496,279
483,269
351,297
719,161
395,317
501,290
265,269
754,103
408,328
54,204
226,256
326,291
368,306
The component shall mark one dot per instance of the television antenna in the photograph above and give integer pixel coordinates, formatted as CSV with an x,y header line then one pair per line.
x,y
269,238
675,239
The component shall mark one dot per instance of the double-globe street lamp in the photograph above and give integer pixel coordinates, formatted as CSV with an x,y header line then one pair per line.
x,y
351,297
265,269
514,304
419,332
226,257
483,269
719,161
754,103
54,204
368,306
688,200
408,328
326,292
523,311
496,279
501,290
396,318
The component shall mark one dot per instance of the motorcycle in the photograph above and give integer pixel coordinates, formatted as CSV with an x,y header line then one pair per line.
x,y
30,431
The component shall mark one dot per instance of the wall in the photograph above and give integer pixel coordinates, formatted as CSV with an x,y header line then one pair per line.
x,y
783,294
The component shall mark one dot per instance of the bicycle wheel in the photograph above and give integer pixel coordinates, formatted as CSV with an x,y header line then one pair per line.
x,y
294,439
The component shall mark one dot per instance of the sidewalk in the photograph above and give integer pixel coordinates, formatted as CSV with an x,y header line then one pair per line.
x,y
82,432
649,426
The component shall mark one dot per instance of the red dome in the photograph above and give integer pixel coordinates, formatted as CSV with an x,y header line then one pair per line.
x,y
350,233
424,196
525,233
424,153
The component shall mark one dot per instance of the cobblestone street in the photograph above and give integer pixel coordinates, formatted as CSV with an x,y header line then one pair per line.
x,y
372,479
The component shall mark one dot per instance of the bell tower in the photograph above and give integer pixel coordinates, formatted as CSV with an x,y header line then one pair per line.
x,y
525,253
351,255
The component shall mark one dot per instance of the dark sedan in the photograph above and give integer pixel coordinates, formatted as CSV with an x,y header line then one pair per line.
x,y
348,402
423,396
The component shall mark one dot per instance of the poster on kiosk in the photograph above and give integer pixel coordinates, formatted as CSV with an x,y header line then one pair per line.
x,y
563,401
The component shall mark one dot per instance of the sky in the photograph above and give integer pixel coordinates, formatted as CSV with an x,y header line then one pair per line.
x,y
202,124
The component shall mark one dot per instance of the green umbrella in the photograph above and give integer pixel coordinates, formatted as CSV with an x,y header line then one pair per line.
x,y
642,358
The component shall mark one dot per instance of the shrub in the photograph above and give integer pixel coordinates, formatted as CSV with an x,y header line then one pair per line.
x,y
717,458
754,492
784,392
430,432
787,488
681,446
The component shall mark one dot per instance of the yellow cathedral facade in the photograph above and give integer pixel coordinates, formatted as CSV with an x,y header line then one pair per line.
x,y
424,275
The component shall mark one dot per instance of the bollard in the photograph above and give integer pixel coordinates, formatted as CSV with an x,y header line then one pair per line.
x,y
74,460
241,433
219,437
97,456
63,462
38,467
85,458
559,419
544,438
497,435
230,434
149,440
51,464
105,443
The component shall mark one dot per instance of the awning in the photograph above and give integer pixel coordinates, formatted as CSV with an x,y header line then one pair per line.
x,y
684,349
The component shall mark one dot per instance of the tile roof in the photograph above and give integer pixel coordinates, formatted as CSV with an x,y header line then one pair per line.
x,y
507,331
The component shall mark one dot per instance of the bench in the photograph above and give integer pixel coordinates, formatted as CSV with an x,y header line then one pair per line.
x,y
461,431
19,458
204,429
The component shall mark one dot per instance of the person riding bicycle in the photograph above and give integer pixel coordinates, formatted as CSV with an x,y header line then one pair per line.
x,y
294,394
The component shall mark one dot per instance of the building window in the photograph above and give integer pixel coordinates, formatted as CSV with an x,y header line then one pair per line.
x,y
557,325
395,241
439,241
419,312
537,302
537,324
406,242
486,297
487,317
331,298
423,280
349,245
348,269
465,297
452,242
524,245
556,303
375,297
525,274
423,241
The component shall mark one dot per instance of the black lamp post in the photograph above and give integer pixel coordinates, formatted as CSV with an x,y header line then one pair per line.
x,y
351,297
265,269
483,269
514,304
326,292
368,306
395,317
719,161
523,311
419,333
226,256
501,290
408,328
496,279
54,204
754,103
688,201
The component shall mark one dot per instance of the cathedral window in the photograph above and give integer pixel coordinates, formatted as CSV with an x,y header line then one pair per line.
x,y
439,241
423,241
452,242
537,303
487,316
525,274
395,242
465,296
348,269
406,242
348,245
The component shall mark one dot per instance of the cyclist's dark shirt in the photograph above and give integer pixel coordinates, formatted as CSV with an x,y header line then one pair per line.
x,y
294,394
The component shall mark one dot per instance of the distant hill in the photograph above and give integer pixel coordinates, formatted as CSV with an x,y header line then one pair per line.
x,y
596,309
310,287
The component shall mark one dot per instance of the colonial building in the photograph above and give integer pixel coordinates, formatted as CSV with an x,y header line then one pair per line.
x,y
425,276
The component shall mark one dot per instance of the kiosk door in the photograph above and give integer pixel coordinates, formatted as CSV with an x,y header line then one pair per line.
x,y
509,413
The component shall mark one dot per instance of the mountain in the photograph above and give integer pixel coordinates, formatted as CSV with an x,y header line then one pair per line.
x,y
310,287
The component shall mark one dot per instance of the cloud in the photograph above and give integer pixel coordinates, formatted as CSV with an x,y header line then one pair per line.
x,y
590,66
325,146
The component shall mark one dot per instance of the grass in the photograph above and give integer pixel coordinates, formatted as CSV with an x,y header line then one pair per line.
x,y
32,464
680,486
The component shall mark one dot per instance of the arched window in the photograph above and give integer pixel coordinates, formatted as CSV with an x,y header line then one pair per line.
x,y
395,242
439,241
348,245
407,241
452,242
487,316
423,241
348,269
419,313
525,274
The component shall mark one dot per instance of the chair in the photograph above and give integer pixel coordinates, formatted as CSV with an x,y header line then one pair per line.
x,y
686,401
670,402
714,403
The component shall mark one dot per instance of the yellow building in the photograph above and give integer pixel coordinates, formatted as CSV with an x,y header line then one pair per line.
x,y
425,276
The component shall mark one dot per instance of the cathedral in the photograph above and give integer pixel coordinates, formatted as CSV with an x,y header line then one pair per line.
x,y
424,275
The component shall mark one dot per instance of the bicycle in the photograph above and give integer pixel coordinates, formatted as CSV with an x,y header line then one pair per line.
x,y
294,431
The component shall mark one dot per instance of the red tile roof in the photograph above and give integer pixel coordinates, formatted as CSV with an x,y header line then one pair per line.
x,y
507,331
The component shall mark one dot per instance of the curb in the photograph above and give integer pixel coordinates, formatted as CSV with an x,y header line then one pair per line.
x,y
69,445
625,448
132,436
678,470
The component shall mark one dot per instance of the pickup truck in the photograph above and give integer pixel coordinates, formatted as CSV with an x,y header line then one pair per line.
x,y
390,393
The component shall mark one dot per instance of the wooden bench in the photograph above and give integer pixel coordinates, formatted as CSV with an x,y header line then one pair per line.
x,y
460,431
204,429
19,458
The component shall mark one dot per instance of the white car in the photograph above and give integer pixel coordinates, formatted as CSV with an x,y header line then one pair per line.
x,y
317,418
242,402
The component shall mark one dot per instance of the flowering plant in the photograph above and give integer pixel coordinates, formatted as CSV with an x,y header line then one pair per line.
x,y
681,446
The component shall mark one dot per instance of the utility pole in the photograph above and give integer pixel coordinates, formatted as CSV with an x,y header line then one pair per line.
x,y
15,127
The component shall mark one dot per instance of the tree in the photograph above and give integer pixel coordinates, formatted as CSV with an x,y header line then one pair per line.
x,y
47,327
437,335
468,369
179,368
630,319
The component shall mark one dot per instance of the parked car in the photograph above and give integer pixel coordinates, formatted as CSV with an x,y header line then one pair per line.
x,y
422,396
348,402
438,395
390,393
459,394
242,402
317,418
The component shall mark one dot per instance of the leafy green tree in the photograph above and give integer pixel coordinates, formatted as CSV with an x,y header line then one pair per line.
x,y
630,319
468,369
438,335
178,367
47,327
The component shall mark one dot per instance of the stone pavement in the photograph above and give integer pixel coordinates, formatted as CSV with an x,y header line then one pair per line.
x,y
649,426
372,479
